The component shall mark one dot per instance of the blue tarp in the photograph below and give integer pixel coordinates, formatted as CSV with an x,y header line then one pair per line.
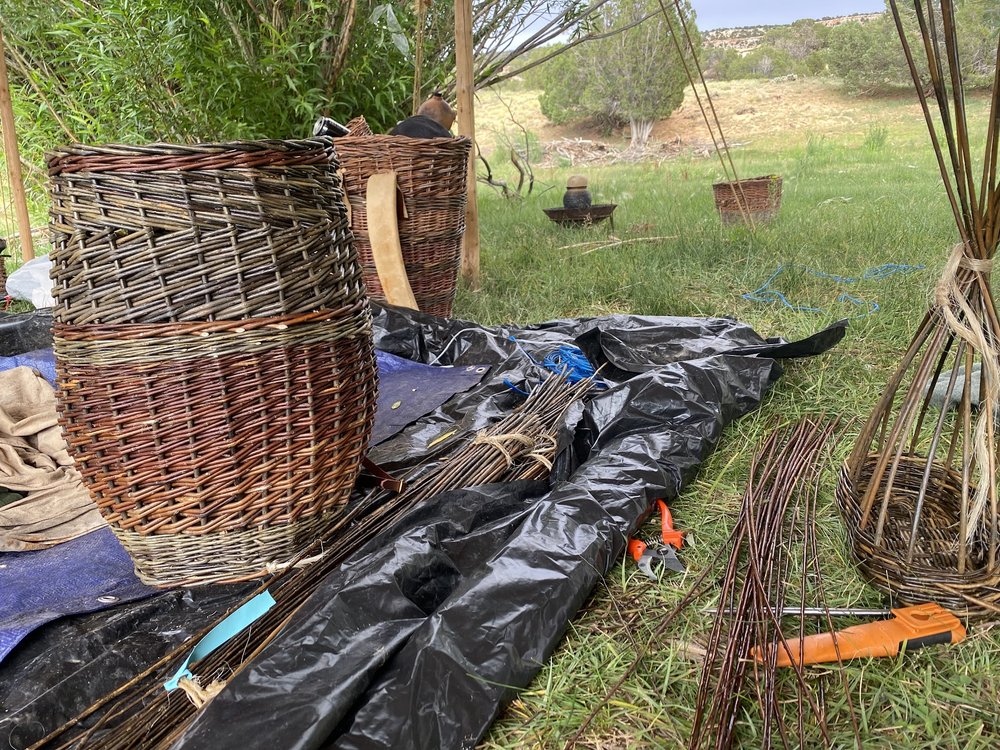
x,y
42,360
89,573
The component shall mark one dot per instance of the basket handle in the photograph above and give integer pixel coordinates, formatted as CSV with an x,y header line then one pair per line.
x,y
383,233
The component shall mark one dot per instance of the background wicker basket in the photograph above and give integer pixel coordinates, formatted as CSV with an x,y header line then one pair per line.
x,y
757,199
431,174
217,449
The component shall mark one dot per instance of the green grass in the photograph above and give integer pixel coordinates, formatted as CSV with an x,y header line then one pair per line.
x,y
860,189
851,202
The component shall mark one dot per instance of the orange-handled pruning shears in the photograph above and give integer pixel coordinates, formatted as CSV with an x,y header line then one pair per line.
x,y
649,554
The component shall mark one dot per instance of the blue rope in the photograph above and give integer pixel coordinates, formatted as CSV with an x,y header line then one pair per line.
x,y
566,360
765,294
572,361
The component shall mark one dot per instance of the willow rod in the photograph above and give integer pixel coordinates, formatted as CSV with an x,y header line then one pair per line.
x,y
521,445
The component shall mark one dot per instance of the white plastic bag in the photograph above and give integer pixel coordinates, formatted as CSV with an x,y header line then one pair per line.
x,y
31,282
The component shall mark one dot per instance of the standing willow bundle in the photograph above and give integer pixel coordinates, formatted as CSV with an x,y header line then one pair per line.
x,y
919,490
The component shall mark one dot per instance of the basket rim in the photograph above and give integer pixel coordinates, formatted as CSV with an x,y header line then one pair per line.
x,y
746,180
402,139
163,148
171,157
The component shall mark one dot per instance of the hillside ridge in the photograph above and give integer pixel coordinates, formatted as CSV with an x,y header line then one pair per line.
x,y
747,38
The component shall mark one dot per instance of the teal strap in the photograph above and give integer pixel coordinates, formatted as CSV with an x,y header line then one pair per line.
x,y
242,618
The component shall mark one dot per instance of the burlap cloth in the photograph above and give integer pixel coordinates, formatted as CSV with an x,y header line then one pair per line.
x,y
34,459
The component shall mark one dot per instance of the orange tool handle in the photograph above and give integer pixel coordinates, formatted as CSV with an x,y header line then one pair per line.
x,y
912,627
635,548
670,535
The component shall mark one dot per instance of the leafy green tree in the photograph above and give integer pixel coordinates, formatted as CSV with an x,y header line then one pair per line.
x,y
564,80
724,64
868,56
635,76
799,39
768,62
186,70
200,70
978,25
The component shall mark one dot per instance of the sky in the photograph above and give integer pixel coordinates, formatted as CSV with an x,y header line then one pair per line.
x,y
715,14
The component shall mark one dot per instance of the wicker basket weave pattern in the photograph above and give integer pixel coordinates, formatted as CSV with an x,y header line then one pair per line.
x,y
756,199
184,242
933,573
175,446
432,177
214,349
358,126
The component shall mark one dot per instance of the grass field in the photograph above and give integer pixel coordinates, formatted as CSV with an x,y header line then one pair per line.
x,y
861,189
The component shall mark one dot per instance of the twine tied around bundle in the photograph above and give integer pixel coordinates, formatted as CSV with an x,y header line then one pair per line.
x,y
544,449
197,694
500,443
952,302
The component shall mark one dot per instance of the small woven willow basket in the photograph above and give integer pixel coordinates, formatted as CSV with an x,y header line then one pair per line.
x,y
934,572
756,200
431,174
217,439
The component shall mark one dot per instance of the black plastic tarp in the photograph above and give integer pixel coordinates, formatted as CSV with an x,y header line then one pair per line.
x,y
419,639
418,642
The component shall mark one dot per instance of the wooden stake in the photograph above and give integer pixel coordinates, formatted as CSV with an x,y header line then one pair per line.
x,y
418,57
464,89
14,159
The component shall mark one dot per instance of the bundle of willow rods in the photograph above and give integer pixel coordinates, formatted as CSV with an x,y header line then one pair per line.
x,y
142,714
919,492
784,472
777,514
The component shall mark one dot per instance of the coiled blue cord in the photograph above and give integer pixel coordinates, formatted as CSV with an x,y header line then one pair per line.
x,y
566,360
765,294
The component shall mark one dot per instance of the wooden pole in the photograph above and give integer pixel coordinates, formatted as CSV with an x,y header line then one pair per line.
x,y
418,58
13,159
464,89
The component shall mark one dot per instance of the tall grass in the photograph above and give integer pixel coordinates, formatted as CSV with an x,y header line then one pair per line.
x,y
851,202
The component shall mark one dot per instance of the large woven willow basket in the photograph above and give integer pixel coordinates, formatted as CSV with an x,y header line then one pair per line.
x,y
217,449
431,175
755,200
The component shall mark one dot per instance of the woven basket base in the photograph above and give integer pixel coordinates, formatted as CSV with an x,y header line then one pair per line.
x,y
228,557
755,199
932,574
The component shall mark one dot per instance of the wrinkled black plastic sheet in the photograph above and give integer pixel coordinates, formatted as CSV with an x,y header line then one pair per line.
x,y
410,643
419,640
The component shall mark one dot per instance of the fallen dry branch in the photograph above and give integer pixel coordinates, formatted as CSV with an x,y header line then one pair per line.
x,y
619,243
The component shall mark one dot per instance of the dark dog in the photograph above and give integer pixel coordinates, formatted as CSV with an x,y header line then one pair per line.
x,y
433,120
